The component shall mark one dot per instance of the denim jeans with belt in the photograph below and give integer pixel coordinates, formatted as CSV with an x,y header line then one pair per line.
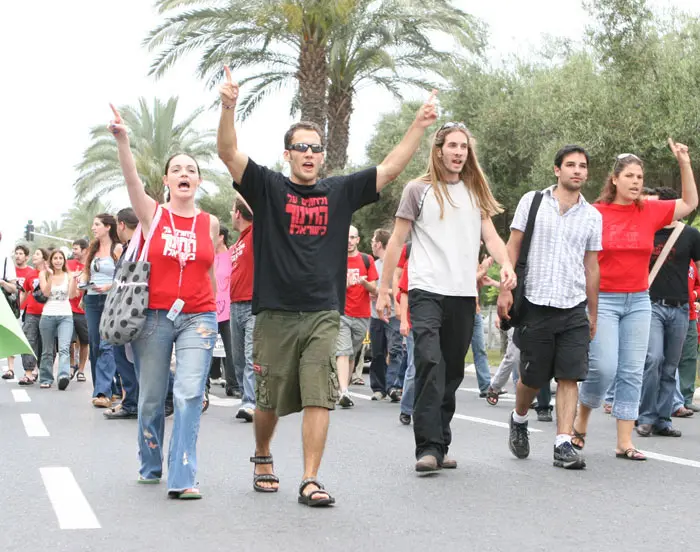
x,y
194,337
617,353
669,326
52,327
242,325
102,363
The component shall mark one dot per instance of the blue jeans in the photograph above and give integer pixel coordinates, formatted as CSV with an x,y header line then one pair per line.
x,y
130,382
102,363
409,387
481,361
242,324
618,352
194,338
51,327
385,338
669,326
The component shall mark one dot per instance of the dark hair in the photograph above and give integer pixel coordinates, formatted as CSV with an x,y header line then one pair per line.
x,y
83,244
648,191
167,163
223,231
666,192
301,125
107,220
24,249
242,208
128,217
609,191
382,236
53,254
44,253
568,150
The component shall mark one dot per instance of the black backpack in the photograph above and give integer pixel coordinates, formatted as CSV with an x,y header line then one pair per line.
x,y
12,298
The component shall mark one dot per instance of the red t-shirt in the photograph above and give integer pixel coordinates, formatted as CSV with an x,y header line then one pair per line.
x,y
628,241
76,267
31,280
357,300
402,258
693,289
403,288
22,275
198,251
242,267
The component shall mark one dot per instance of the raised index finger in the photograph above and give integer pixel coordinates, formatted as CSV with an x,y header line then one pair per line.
x,y
229,79
671,144
117,117
433,95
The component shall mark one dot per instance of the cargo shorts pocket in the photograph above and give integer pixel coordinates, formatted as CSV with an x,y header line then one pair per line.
x,y
262,386
333,383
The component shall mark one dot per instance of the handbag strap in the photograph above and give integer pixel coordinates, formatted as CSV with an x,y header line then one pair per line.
x,y
529,229
665,251
154,223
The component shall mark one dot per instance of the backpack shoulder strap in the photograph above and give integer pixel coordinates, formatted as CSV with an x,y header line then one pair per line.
x,y
365,260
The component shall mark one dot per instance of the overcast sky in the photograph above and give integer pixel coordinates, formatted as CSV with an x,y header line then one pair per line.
x,y
64,63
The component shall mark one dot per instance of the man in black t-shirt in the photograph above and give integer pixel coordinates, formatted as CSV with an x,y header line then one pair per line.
x,y
669,325
300,252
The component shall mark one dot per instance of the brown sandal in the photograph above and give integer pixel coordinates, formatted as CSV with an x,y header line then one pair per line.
x,y
579,437
631,454
491,396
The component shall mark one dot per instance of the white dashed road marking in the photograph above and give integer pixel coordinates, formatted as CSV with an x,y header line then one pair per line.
x,y
69,503
20,395
34,426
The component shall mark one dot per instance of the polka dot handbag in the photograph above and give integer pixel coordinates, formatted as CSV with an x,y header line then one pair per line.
x,y
127,302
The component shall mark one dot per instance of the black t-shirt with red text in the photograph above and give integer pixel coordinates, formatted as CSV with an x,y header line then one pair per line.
x,y
671,282
300,237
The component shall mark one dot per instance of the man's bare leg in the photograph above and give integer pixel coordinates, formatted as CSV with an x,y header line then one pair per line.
x,y
11,364
567,398
264,423
580,425
314,431
524,396
343,363
82,357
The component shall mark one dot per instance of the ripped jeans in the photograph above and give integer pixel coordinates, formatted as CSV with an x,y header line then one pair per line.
x,y
194,337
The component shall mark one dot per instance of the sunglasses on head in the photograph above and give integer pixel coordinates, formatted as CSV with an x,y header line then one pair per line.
x,y
461,126
626,155
302,148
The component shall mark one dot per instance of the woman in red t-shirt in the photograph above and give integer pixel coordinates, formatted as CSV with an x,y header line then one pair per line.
x,y
181,313
619,348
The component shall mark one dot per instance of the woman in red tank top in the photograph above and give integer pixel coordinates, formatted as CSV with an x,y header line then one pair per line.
x,y
181,314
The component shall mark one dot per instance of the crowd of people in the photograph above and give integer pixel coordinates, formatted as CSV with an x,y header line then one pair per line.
x,y
292,304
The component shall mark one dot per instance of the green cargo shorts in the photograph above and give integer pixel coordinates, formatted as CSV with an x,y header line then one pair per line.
x,y
294,360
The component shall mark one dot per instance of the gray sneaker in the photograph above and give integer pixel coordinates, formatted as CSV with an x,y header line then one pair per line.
x,y
567,457
378,396
518,439
345,401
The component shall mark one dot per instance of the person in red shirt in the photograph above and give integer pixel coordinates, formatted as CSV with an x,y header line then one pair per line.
x,y
242,317
619,349
360,283
32,315
181,315
687,367
80,336
21,256
405,317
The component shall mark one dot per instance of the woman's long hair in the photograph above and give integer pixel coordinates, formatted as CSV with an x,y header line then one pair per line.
x,y
107,220
471,174
50,265
609,191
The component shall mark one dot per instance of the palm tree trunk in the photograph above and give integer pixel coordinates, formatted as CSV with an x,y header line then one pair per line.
x,y
313,82
339,112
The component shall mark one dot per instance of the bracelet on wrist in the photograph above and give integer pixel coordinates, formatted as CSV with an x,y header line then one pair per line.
x,y
228,106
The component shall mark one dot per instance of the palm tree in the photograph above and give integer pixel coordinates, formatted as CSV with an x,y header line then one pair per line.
x,y
323,49
386,43
276,40
155,136
77,221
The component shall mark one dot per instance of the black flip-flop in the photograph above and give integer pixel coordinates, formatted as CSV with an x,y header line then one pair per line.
x,y
309,500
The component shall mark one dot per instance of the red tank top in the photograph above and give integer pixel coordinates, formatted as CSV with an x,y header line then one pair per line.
x,y
197,250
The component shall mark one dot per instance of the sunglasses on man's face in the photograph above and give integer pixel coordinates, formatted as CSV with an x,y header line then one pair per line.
x,y
302,148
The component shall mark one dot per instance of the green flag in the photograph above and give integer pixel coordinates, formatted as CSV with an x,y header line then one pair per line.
x,y
12,338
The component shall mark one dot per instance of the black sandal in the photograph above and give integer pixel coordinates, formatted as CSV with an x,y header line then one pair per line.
x,y
80,377
9,374
264,477
491,396
580,436
309,500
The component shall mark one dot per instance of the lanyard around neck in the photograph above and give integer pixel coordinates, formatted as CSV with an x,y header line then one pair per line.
x,y
181,255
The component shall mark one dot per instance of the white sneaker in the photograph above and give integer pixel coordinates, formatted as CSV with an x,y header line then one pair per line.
x,y
245,413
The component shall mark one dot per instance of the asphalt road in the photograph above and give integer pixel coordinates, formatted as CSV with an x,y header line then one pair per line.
x,y
69,484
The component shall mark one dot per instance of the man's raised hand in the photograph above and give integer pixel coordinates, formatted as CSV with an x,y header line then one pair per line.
x,y
116,125
427,114
228,91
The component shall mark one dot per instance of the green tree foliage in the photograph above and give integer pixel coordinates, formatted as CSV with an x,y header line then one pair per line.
x,y
77,221
155,135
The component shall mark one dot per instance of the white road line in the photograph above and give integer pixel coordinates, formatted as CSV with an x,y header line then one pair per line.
x,y
489,422
217,401
458,416
671,459
20,395
34,426
72,508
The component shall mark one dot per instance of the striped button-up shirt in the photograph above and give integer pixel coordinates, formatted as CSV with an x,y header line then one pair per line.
x,y
556,276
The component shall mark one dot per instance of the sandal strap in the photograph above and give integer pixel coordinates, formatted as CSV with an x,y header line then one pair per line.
x,y
265,478
310,481
261,459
